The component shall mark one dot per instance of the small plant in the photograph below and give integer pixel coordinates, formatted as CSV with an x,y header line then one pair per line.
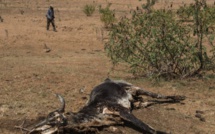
x,y
148,6
89,9
107,15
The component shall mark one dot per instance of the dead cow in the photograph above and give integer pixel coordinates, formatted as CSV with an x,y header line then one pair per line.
x,y
110,103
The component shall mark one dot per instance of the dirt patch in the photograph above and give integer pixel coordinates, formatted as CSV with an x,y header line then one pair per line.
x,y
29,76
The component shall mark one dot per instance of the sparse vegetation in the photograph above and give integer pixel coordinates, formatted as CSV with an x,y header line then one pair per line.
x,y
29,76
107,15
167,49
89,9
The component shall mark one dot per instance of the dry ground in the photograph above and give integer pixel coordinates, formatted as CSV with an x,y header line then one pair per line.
x,y
29,76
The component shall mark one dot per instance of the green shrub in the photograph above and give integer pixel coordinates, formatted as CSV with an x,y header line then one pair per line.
x,y
89,9
107,15
157,43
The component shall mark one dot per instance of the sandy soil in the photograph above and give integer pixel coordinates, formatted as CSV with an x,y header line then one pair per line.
x,y
29,76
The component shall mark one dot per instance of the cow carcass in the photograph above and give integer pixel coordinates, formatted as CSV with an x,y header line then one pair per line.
x,y
110,103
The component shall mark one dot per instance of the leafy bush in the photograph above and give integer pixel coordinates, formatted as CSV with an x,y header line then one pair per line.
x,y
89,9
107,15
157,43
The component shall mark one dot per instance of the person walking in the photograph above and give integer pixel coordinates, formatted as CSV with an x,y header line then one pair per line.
x,y
50,18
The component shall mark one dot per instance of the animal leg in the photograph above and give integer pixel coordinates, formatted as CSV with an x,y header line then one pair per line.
x,y
146,128
126,115
175,98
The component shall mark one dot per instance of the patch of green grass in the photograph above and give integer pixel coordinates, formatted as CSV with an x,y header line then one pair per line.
x,y
89,9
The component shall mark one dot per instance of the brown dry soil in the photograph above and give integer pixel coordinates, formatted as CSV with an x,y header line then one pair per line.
x,y
29,76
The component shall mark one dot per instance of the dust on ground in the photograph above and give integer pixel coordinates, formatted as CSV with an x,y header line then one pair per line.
x,y
29,76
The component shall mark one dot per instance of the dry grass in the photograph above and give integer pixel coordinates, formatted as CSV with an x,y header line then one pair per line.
x,y
29,76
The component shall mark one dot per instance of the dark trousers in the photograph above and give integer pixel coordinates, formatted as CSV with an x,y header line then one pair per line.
x,y
52,22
